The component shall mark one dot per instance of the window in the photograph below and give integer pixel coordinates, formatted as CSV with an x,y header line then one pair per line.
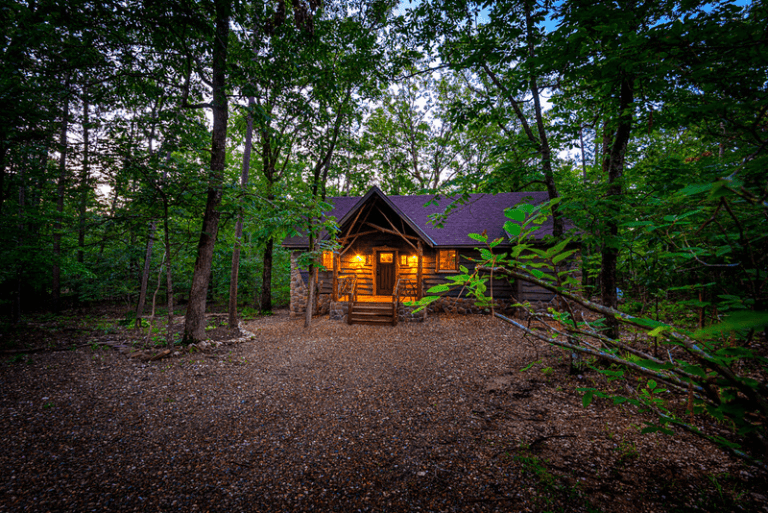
x,y
386,258
447,260
328,260
403,260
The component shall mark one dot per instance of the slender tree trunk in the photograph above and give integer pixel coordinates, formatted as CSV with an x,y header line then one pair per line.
x,y
233,279
3,153
194,323
145,274
84,174
320,177
60,186
310,283
265,298
613,167
269,158
583,155
16,308
168,272
151,235
544,149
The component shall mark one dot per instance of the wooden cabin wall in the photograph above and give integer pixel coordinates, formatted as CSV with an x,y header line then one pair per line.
x,y
502,288
366,247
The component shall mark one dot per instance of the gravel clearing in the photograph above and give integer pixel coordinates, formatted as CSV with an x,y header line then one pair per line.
x,y
418,417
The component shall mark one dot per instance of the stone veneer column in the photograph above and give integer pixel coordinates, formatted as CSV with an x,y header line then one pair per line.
x,y
298,288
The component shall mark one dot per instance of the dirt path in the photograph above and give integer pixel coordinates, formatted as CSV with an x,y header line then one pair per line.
x,y
431,417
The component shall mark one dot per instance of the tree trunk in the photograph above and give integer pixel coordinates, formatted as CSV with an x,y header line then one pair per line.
x,y
269,158
168,273
83,186
145,274
310,296
16,307
233,277
265,298
194,323
613,167
3,153
544,149
60,186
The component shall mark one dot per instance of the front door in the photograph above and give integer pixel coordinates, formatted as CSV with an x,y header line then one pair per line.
x,y
385,273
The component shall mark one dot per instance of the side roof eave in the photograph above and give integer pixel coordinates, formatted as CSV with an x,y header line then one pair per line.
x,y
378,192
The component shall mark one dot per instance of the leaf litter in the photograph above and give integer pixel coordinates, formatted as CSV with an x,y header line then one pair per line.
x,y
433,416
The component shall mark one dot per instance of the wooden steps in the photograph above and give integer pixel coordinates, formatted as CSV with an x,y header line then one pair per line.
x,y
364,312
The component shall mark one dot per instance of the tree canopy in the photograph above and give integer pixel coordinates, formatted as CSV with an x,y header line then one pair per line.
x,y
149,139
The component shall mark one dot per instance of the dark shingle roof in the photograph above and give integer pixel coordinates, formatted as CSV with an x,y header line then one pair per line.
x,y
480,212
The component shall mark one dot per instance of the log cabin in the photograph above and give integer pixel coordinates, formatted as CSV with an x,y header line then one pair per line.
x,y
390,253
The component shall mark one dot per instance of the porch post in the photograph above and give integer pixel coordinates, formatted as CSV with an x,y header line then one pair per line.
x,y
419,292
335,281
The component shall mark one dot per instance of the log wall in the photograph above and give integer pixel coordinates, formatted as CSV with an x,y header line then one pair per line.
x,y
503,289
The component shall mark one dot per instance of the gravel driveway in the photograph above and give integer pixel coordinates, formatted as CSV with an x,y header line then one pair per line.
x,y
431,417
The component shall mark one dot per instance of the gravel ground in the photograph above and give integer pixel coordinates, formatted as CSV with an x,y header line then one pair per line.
x,y
418,417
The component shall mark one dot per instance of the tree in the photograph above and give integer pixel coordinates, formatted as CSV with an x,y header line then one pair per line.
x,y
194,322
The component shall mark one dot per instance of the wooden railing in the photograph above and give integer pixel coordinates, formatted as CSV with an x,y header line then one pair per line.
x,y
404,288
347,287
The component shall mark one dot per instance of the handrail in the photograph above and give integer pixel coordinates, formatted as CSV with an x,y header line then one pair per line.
x,y
396,291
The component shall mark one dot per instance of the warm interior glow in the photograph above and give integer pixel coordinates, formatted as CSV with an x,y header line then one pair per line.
x,y
359,259
413,259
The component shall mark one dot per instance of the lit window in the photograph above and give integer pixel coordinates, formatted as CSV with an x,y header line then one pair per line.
x,y
403,260
447,260
328,259
386,258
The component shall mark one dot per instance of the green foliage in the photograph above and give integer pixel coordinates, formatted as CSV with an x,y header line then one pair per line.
x,y
715,368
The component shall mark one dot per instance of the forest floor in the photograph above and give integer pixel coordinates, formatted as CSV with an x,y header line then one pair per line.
x,y
456,414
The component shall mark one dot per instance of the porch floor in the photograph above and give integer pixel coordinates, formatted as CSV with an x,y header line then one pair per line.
x,y
381,299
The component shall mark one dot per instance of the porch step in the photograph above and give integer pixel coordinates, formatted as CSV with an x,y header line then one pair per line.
x,y
371,313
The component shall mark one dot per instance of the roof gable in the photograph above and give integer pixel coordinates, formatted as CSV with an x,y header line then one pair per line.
x,y
481,212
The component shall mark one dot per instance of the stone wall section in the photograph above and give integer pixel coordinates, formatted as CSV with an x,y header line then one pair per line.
x,y
406,314
298,289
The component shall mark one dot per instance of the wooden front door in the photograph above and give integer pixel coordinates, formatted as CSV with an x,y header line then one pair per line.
x,y
385,273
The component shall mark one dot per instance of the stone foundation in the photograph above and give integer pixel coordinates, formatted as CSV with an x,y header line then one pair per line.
x,y
338,310
405,314
300,291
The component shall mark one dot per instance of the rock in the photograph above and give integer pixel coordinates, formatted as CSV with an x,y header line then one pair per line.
x,y
158,356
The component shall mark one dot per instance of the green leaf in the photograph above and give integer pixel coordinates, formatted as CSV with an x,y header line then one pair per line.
x,y
653,428
589,394
527,367
516,214
439,288
739,320
512,229
526,207
692,189
650,364
562,256
478,237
